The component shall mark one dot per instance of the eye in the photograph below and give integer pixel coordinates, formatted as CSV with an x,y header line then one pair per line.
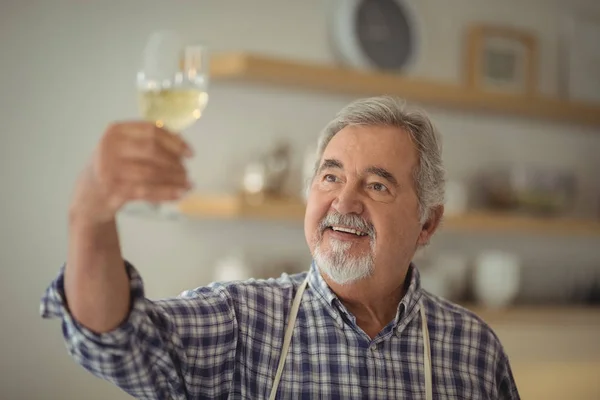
x,y
330,178
379,187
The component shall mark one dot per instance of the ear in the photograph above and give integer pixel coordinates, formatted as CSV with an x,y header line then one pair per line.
x,y
431,225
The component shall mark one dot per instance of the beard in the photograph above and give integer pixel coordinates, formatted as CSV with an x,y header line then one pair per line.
x,y
336,261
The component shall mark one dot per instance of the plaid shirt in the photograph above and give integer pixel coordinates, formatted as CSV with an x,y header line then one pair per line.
x,y
223,341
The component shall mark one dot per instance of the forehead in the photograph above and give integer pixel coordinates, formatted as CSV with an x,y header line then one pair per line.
x,y
362,146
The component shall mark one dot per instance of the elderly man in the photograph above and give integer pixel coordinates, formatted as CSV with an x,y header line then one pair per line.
x,y
356,325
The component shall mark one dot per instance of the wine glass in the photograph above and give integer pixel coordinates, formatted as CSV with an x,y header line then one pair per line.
x,y
172,85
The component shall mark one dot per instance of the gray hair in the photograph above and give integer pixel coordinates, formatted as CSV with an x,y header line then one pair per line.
x,y
429,176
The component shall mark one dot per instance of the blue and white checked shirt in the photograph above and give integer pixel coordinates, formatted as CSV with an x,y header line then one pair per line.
x,y
223,341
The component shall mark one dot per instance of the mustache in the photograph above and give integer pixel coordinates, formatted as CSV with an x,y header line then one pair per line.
x,y
348,220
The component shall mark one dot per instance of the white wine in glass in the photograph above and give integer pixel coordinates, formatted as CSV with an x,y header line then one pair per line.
x,y
175,109
173,82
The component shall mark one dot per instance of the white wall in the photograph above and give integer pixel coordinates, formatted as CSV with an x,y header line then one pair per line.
x,y
67,69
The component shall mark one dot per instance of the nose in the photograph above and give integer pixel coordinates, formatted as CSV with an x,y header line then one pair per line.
x,y
348,201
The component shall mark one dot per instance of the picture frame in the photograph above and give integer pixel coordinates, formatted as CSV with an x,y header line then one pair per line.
x,y
501,59
579,58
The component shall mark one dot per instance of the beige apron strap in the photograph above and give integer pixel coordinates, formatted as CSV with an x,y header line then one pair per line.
x,y
288,337
426,355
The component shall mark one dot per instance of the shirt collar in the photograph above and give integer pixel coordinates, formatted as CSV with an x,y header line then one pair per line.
x,y
317,282
406,307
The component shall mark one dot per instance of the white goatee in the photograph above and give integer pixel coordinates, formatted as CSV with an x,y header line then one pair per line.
x,y
336,262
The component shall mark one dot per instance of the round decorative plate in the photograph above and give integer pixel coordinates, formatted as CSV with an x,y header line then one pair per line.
x,y
375,34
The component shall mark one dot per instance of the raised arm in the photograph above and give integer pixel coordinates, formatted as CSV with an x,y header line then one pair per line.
x,y
178,348
133,161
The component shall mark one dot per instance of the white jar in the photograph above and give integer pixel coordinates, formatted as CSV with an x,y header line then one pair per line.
x,y
497,278
308,169
232,267
457,200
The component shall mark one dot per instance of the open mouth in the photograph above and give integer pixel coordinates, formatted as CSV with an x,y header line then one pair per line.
x,y
347,231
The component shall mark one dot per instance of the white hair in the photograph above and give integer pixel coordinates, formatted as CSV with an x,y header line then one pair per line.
x,y
429,176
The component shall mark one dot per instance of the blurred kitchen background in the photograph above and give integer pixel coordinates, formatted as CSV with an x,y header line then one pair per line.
x,y
521,240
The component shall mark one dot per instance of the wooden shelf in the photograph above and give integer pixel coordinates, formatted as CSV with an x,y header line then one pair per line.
x,y
333,79
234,207
560,315
290,209
498,222
557,380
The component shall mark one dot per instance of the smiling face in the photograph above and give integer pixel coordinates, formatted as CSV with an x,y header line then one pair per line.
x,y
362,216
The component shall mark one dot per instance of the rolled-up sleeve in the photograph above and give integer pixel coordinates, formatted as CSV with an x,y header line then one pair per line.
x,y
176,348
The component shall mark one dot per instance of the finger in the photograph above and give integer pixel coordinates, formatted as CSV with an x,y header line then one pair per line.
x,y
135,130
150,152
173,143
151,135
146,173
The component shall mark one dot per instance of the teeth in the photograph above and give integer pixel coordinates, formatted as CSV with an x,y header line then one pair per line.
x,y
348,230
